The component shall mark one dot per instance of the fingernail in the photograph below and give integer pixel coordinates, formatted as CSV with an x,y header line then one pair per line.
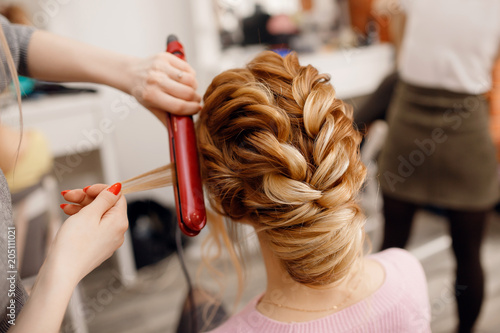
x,y
63,193
85,189
115,188
63,205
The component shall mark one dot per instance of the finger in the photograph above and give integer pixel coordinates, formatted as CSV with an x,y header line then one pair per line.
x,y
162,114
119,208
85,196
70,209
116,216
104,201
75,196
94,190
172,66
174,88
180,64
160,100
180,76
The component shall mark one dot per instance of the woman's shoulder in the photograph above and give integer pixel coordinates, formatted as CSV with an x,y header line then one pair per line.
x,y
401,269
405,282
396,258
403,297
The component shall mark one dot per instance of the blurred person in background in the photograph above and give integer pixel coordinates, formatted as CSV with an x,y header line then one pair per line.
x,y
439,151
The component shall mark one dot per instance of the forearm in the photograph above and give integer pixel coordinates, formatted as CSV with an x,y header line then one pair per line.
x,y
56,58
44,311
162,83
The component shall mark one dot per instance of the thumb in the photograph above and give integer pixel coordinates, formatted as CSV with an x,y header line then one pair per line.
x,y
104,201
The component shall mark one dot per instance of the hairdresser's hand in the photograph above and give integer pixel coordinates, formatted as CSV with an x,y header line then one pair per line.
x,y
164,83
80,198
91,234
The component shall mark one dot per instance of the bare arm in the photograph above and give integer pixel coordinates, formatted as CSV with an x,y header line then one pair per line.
x,y
47,303
155,82
85,240
55,58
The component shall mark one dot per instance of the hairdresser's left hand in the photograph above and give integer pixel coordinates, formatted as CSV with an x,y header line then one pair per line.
x,y
94,231
80,198
164,83
82,243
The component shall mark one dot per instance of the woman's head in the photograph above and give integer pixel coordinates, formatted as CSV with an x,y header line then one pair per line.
x,y
278,150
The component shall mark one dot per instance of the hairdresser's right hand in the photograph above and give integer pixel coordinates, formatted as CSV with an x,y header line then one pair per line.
x,y
164,83
91,235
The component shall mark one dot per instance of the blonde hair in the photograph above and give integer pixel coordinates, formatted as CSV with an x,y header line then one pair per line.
x,y
280,151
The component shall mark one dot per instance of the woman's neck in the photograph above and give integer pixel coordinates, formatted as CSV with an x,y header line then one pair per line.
x,y
287,300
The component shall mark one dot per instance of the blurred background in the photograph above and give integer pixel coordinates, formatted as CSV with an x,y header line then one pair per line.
x,y
97,134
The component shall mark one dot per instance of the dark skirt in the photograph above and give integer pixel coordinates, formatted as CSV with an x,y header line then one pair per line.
x,y
439,150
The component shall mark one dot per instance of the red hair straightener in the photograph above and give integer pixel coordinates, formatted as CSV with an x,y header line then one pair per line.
x,y
189,202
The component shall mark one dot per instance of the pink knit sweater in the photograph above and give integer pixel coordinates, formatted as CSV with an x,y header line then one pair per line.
x,y
400,305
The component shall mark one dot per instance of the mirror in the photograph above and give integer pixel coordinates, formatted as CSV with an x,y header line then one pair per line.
x,y
303,25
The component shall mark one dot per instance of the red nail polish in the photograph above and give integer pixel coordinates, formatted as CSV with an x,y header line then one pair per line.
x,y
63,193
85,189
63,205
115,188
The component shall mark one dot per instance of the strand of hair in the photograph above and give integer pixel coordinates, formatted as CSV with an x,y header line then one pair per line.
x,y
157,178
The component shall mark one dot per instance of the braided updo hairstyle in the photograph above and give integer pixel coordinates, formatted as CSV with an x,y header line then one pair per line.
x,y
280,151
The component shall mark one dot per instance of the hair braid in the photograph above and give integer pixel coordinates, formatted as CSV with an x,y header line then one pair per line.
x,y
279,149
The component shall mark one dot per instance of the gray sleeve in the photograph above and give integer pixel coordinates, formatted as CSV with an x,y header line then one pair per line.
x,y
18,38
12,294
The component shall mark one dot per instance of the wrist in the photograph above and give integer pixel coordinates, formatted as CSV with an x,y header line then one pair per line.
x,y
54,273
128,64
121,73
114,70
60,267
